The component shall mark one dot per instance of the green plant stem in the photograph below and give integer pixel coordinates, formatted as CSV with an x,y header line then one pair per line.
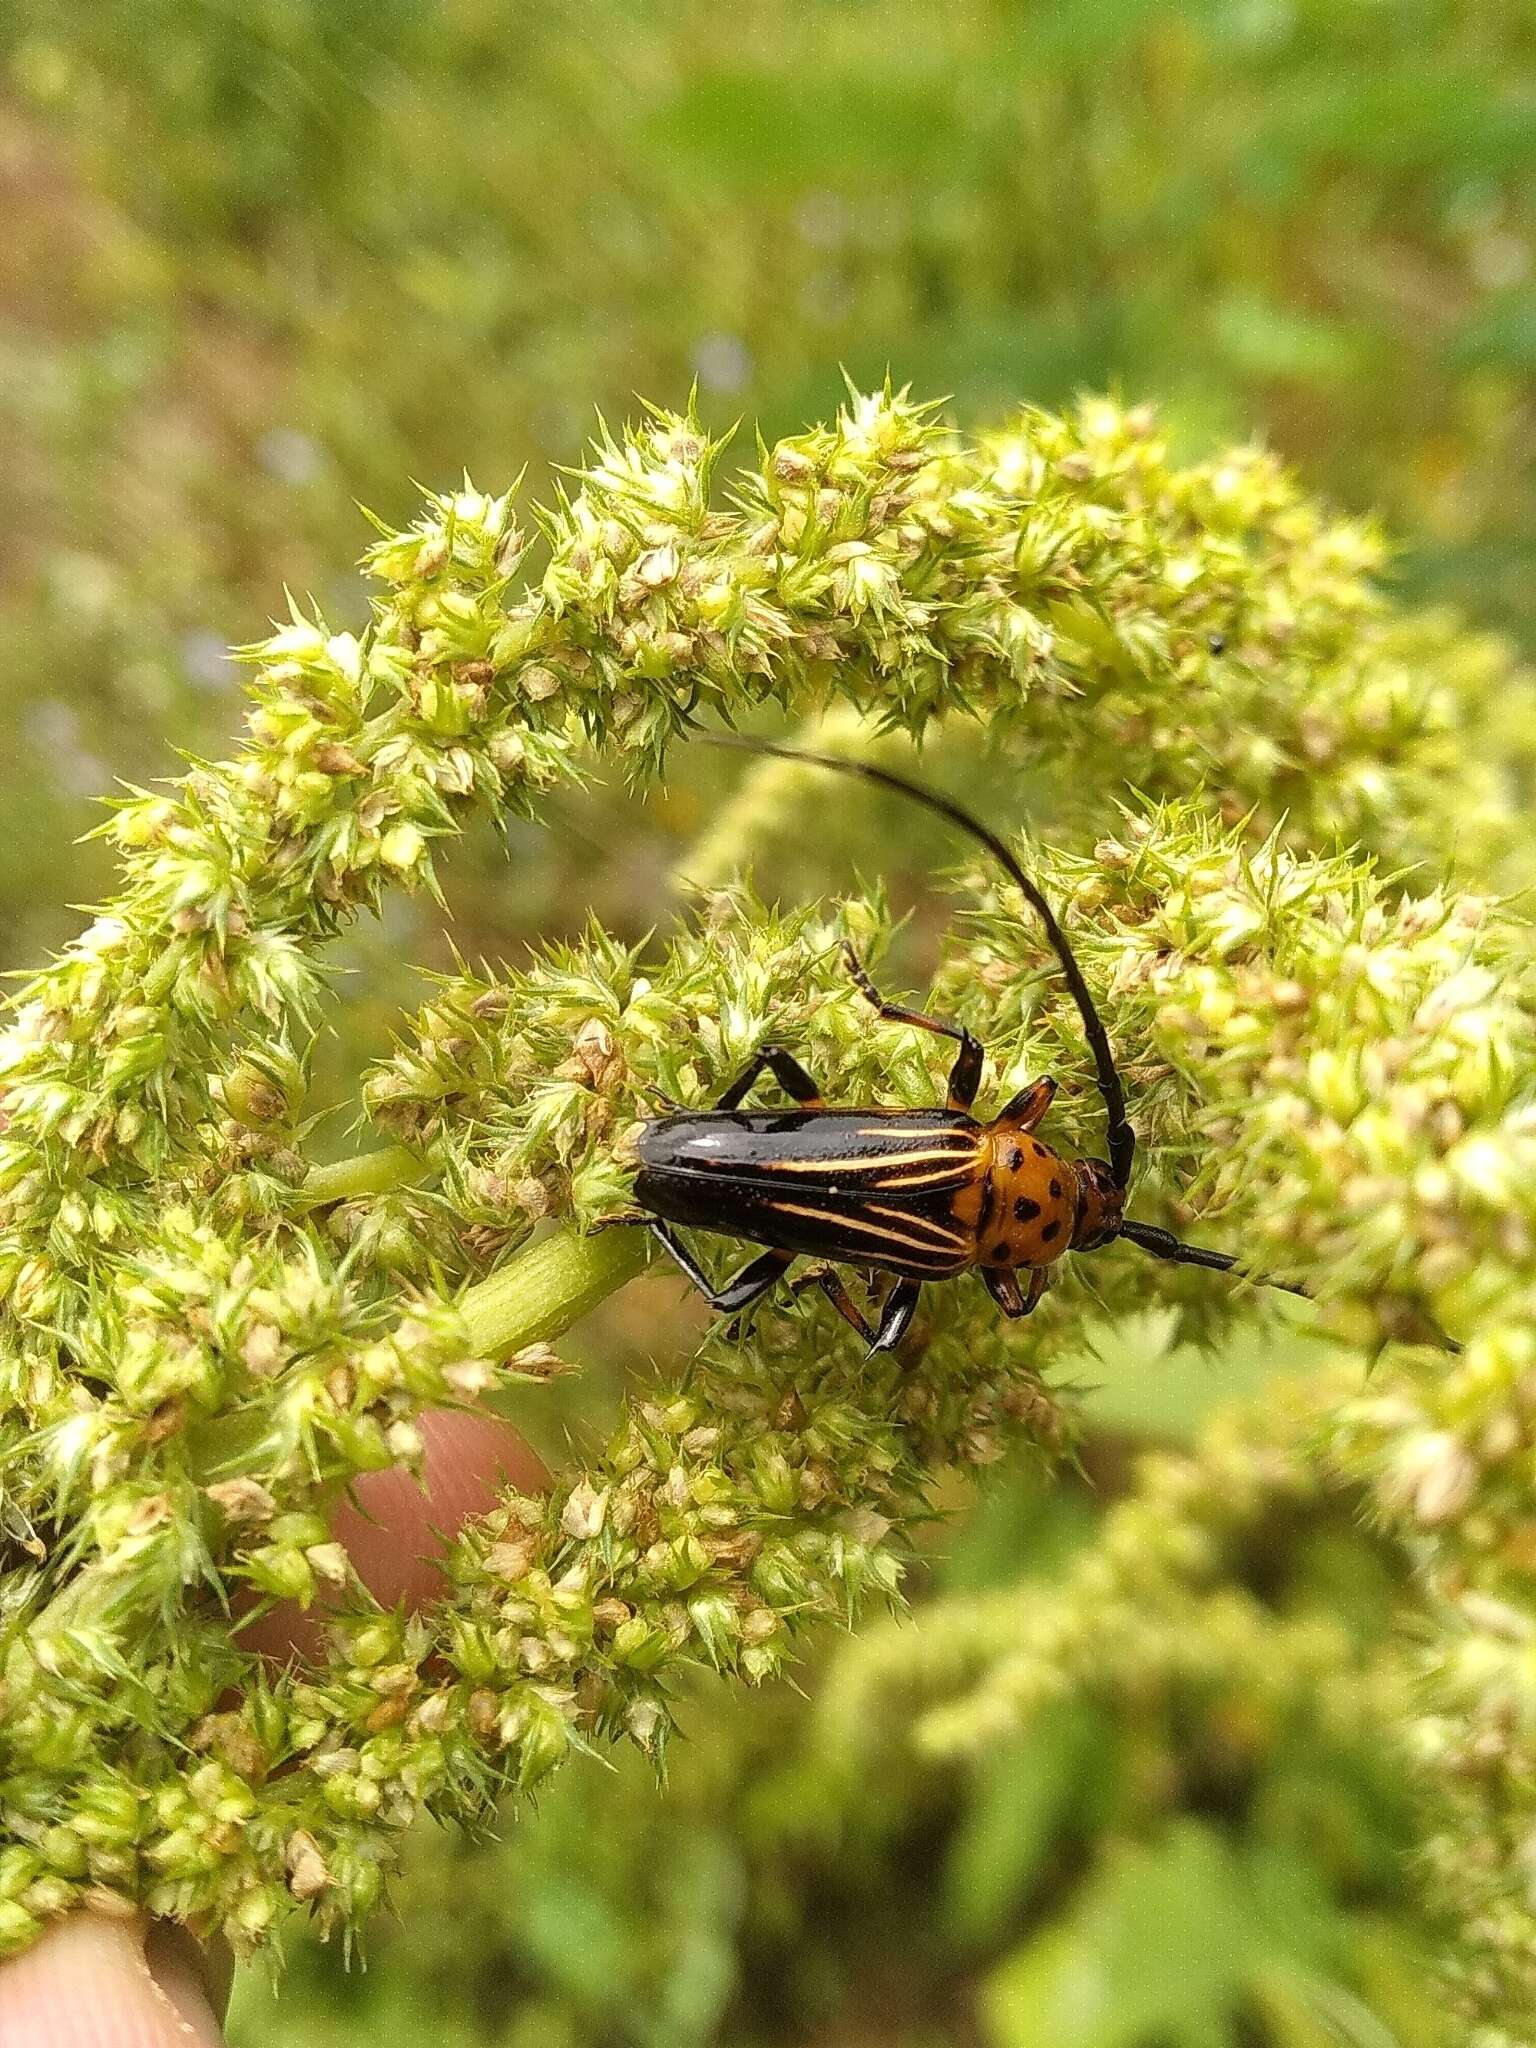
x,y
365,1173
547,1287
537,1295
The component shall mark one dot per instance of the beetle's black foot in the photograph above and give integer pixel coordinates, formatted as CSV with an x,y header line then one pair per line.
x,y
739,1292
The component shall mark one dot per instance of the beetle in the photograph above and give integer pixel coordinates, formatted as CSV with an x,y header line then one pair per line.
x,y
920,1195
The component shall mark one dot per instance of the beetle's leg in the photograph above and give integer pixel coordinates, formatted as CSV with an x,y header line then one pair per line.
x,y
831,1284
965,1074
741,1290
896,1316
785,1069
668,1102
755,1278
1026,1108
1002,1283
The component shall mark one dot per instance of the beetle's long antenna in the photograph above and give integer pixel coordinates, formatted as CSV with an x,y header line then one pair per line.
x,y
1162,1244
1120,1138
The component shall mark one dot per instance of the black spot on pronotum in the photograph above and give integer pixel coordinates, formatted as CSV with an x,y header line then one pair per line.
x,y
1026,1210
1015,1159
1055,1190
1000,1253
1051,1230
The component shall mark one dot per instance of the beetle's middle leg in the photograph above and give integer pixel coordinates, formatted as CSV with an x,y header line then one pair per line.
x,y
741,1290
831,1283
965,1074
896,1316
896,1311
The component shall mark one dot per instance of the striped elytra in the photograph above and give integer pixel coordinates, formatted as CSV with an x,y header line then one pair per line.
x,y
918,1193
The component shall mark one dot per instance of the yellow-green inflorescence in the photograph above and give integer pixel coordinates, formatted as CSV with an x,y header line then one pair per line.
x,y
207,1338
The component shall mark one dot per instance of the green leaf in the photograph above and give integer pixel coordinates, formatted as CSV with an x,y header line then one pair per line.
x,y
1025,1793
1167,1945
1157,1949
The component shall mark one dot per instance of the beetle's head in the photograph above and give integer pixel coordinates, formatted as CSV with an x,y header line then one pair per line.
x,y
1100,1205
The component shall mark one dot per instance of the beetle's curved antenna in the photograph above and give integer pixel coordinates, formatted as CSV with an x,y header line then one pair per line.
x,y
1162,1244
1120,1139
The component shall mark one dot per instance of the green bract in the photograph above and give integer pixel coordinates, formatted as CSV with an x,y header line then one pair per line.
x,y
207,1337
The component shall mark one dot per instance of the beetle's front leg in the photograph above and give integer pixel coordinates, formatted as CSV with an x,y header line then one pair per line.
x,y
741,1290
1002,1283
1023,1111
800,1086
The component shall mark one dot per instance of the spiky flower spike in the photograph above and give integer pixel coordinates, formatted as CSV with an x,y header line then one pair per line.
x,y
206,1340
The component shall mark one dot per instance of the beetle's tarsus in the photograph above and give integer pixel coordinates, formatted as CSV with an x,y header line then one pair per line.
x,y
619,1218
1002,1283
831,1283
1026,1109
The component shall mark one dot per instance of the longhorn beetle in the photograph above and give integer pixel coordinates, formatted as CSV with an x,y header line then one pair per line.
x,y
920,1194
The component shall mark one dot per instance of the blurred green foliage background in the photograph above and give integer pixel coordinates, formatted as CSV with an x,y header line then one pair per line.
x,y
267,258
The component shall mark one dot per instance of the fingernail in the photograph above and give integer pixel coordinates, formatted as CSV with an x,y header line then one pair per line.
x,y
94,1981
194,1976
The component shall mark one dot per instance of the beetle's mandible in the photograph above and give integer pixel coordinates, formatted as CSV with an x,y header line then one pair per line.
x,y
918,1194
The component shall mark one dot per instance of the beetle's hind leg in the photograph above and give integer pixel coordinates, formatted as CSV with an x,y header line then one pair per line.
x,y
800,1086
965,1074
619,1220
741,1290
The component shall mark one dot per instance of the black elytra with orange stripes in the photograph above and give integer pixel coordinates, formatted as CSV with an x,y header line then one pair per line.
x,y
920,1195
